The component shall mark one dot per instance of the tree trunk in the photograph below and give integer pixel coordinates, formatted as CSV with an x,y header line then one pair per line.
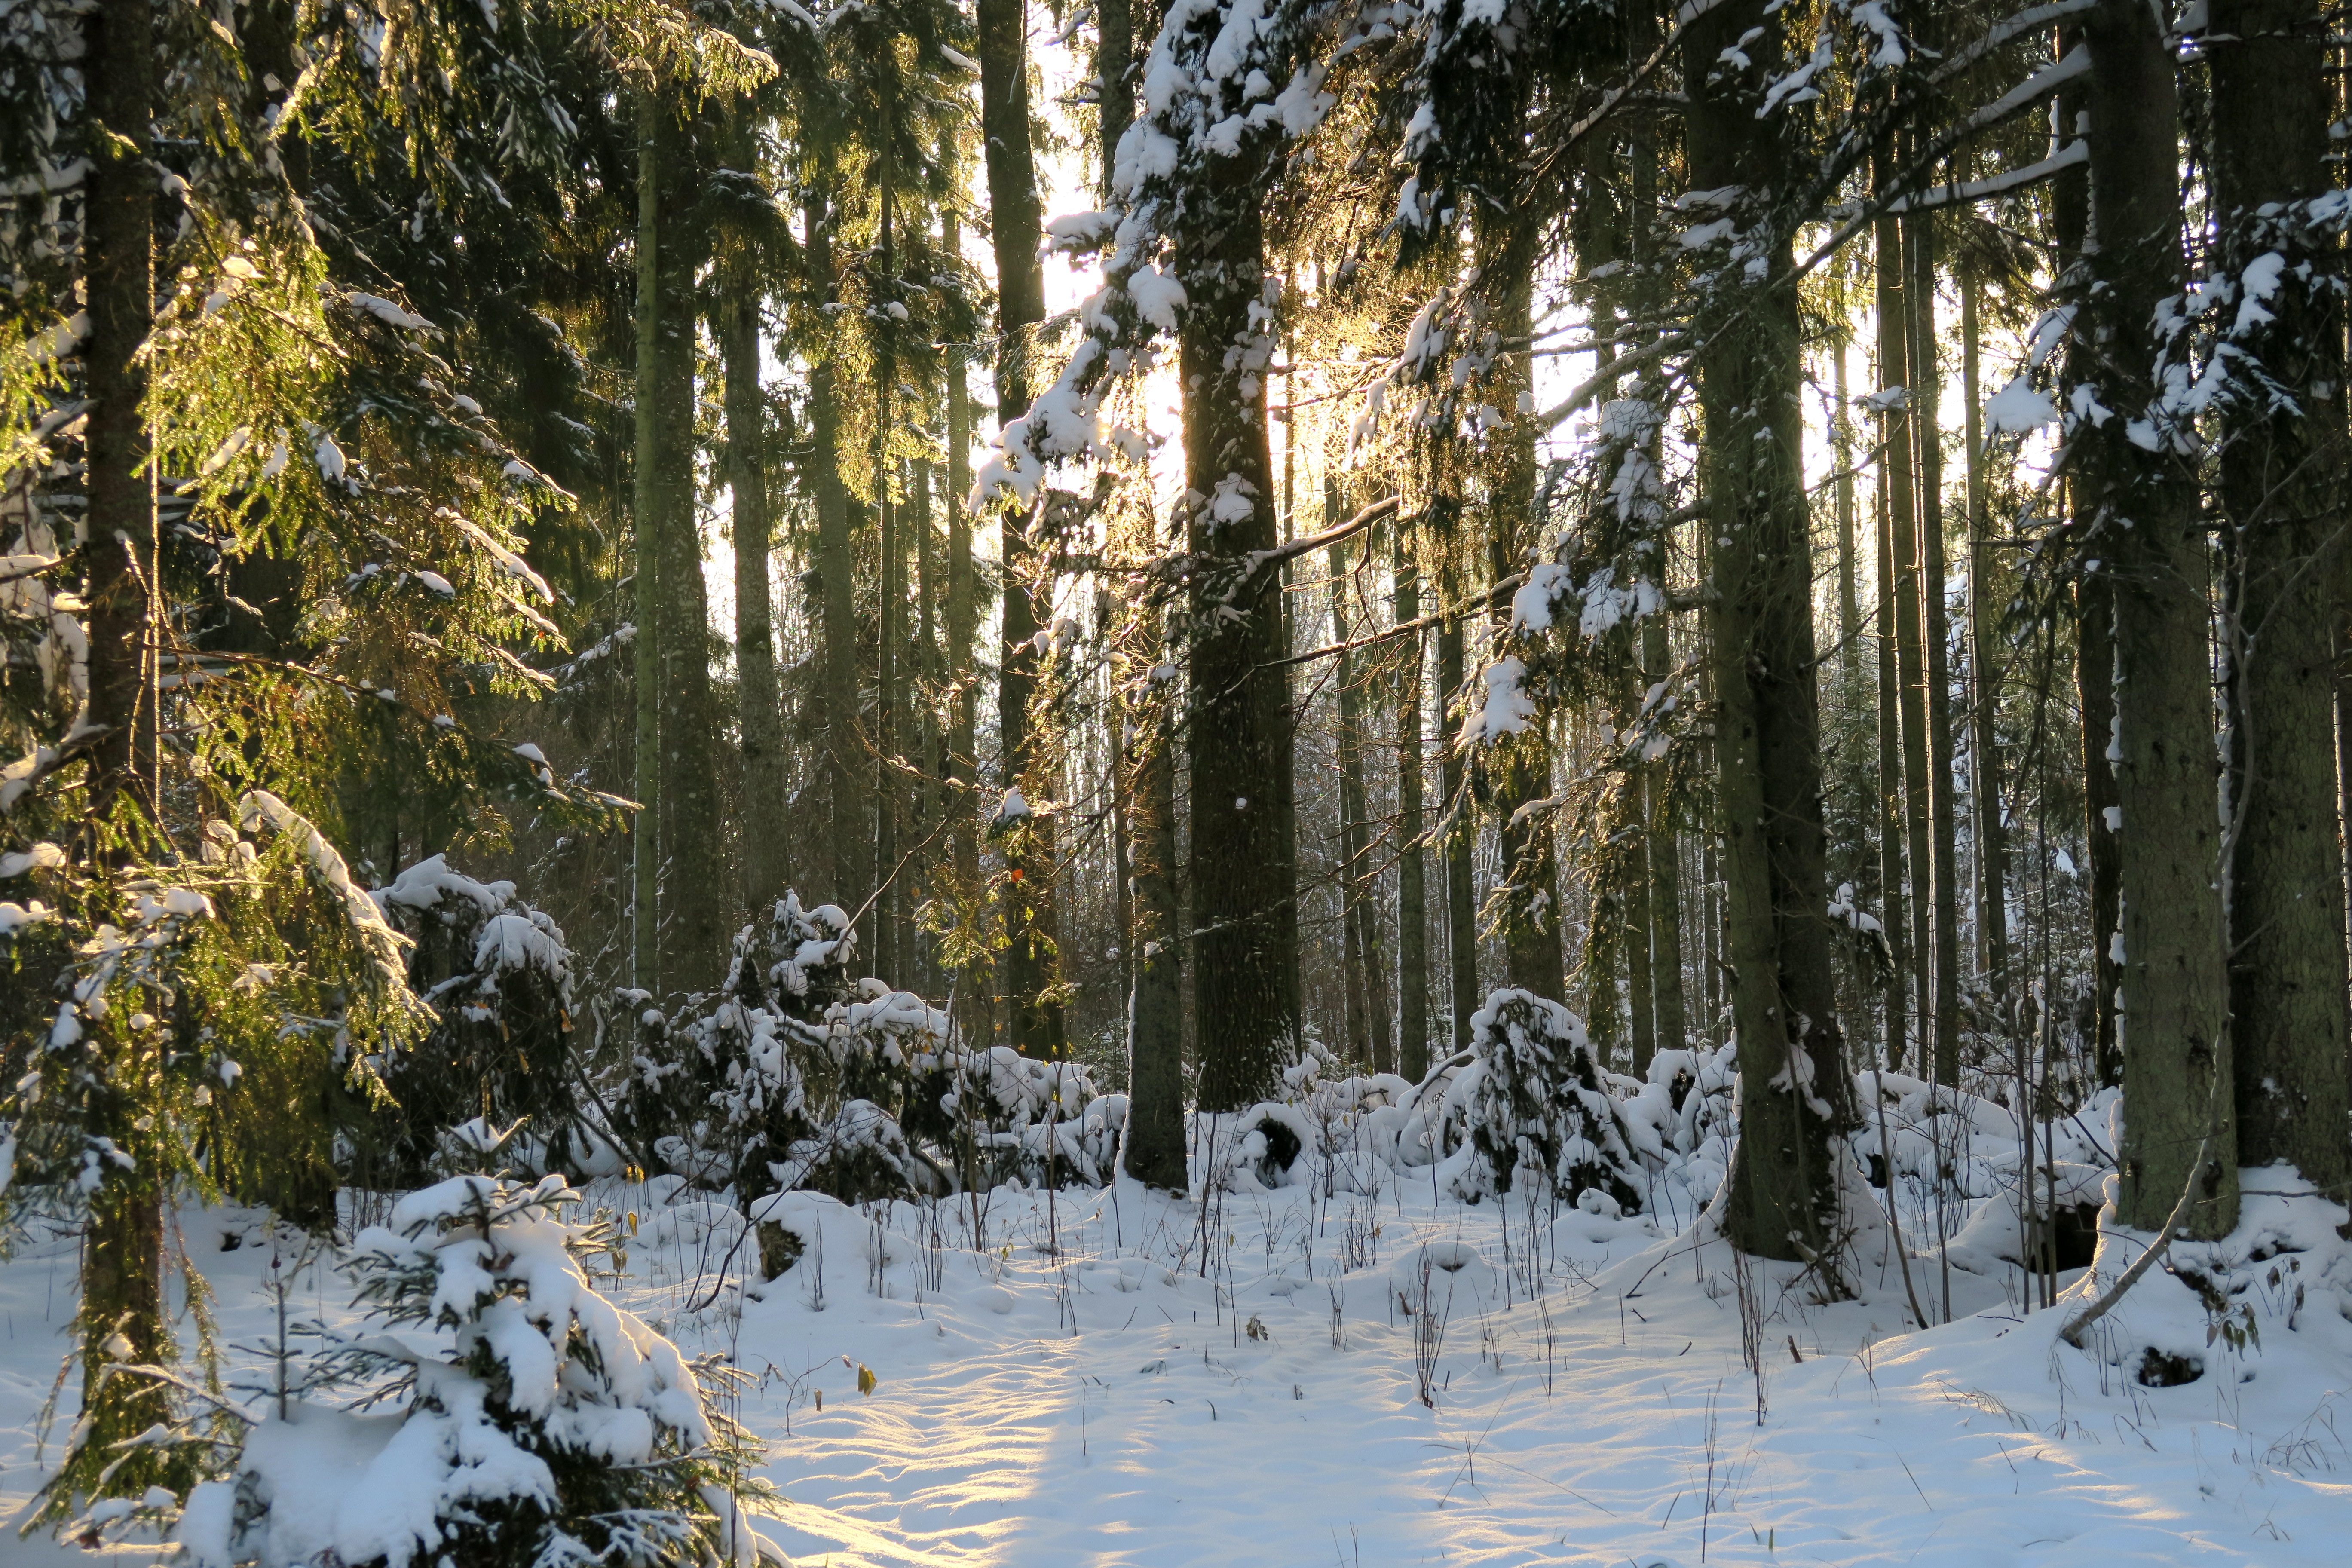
x,y
1900,467
1943,849
1460,837
759,714
840,812
1355,1017
123,1258
2283,474
1894,1001
1795,1095
925,736
1412,911
1016,229
1155,1025
1520,764
118,258
1984,710
2094,658
644,926
1358,876
2147,528
962,615
1243,892
695,893
1673,1025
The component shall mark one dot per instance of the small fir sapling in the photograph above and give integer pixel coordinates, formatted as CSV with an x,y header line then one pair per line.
x,y
498,975
540,1426
1533,1100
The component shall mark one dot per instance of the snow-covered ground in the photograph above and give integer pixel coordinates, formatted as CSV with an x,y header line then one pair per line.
x,y
1121,1379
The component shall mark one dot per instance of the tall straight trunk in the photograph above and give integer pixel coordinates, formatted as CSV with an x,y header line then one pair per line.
x,y
1673,1026
1017,229
1243,892
759,714
2175,974
2283,473
926,736
889,590
1632,833
1412,910
1364,880
1114,92
2094,658
839,809
1849,580
1783,1200
644,882
695,893
1943,849
1368,973
1984,707
1355,1020
1520,764
1460,839
962,771
1154,1152
123,1256
1899,468
1894,1002
119,256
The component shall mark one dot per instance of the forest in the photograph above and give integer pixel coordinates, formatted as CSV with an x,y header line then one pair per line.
x,y
702,700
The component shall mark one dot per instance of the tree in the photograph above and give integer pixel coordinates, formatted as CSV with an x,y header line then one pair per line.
x,y
2148,536
1016,230
2281,487
1795,1093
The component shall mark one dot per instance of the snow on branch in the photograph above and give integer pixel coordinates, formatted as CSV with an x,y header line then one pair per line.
x,y
1934,197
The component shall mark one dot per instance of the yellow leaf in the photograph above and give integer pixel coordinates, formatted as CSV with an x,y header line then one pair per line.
x,y
865,1380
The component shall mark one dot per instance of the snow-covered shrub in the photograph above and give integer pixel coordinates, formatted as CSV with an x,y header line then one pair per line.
x,y
498,975
796,1076
1533,1099
538,1424
1002,1112
1689,1101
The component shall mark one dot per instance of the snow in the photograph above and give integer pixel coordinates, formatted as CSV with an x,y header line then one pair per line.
x,y
2017,408
1127,1398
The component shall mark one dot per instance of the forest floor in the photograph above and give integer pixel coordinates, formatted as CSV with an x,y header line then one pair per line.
x,y
1116,1378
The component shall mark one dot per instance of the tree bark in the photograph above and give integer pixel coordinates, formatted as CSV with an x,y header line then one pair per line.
x,y
2094,658
1943,849
1900,467
962,615
644,925
839,811
2283,474
695,893
760,715
1155,1128
119,284
1243,892
1412,911
1017,229
1984,708
124,1257
2147,526
1795,1095
1520,765
1368,972
1673,1022
1455,847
